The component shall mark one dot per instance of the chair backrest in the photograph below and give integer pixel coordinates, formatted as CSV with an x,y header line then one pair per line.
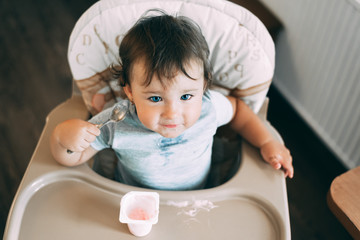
x,y
241,49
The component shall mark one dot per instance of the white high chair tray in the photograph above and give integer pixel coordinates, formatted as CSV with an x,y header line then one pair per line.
x,y
57,202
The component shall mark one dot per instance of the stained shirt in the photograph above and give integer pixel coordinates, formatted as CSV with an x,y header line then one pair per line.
x,y
147,159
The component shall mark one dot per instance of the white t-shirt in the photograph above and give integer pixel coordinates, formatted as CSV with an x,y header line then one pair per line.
x,y
147,159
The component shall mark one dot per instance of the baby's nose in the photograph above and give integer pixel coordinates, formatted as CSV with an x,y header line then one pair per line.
x,y
171,111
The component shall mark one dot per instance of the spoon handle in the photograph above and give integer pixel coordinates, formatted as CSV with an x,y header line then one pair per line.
x,y
102,124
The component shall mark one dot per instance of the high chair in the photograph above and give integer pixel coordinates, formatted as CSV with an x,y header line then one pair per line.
x,y
58,202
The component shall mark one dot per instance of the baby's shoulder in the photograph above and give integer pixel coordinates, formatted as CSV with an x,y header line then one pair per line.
x,y
220,105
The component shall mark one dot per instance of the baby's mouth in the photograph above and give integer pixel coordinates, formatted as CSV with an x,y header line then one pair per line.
x,y
170,125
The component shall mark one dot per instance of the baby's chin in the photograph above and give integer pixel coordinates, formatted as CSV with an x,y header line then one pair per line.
x,y
171,135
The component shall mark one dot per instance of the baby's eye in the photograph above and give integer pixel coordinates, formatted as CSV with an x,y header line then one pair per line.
x,y
155,99
186,96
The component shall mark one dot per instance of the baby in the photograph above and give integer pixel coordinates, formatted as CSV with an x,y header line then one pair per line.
x,y
166,138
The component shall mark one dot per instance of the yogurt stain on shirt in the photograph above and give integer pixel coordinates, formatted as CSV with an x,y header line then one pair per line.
x,y
165,145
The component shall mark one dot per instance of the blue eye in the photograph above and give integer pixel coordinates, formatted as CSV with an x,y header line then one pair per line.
x,y
186,97
155,99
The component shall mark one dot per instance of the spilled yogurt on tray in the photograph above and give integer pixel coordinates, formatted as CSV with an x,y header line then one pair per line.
x,y
192,208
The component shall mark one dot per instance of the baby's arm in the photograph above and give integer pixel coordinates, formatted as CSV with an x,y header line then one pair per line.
x,y
74,135
250,126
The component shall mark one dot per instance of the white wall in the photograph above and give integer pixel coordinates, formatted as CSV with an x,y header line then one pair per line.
x,y
318,68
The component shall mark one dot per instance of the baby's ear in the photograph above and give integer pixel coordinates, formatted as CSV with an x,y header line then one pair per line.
x,y
128,92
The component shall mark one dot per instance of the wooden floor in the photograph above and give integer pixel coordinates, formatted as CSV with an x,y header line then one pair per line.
x,y
35,77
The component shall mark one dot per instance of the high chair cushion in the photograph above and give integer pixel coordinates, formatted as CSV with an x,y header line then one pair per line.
x,y
241,49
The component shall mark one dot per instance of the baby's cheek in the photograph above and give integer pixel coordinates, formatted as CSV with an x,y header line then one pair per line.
x,y
147,118
193,115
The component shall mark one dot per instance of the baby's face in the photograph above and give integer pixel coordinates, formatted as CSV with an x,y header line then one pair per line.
x,y
168,110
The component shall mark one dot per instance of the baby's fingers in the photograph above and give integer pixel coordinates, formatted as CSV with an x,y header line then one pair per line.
x,y
83,143
93,129
90,137
274,161
279,162
288,168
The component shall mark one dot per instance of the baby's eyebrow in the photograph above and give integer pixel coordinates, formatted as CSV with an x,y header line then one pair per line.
x,y
162,91
151,92
190,90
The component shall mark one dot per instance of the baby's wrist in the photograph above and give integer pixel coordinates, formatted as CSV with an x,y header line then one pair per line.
x,y
268,142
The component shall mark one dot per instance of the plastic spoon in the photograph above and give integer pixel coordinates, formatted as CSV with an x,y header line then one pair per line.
x,y
117,114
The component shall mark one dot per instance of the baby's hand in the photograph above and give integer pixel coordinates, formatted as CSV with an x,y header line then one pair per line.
x,y
278,156
75,134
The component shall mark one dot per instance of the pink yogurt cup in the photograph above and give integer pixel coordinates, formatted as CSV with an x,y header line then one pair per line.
x,y
140,210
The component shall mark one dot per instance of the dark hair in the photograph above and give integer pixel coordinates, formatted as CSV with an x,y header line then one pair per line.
x,y
167,44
